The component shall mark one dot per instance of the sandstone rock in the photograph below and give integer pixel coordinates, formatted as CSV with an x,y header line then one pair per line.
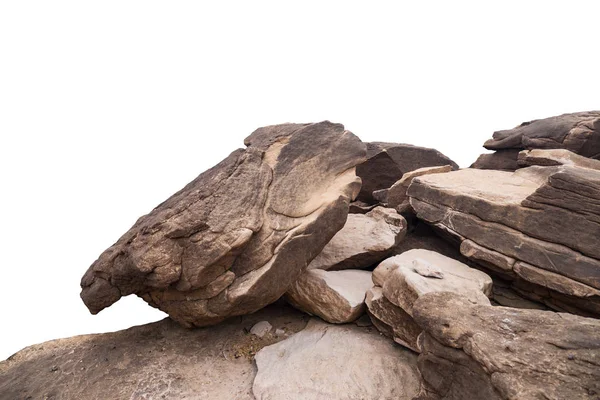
x,y
577,132
364,240
396,194
261,328
387,162
336,296
237,236
545,217
472,351
335,362
504,160
161,360
552,157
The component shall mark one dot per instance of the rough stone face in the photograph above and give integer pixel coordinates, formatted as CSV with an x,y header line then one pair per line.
x,y
335,362
552,157
161,360
577,132
336,296
387,162
504,160
545,217
364,240
471,351
236,237
396,195
402,279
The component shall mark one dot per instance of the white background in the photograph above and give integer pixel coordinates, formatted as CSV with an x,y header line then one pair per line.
x,y
108,107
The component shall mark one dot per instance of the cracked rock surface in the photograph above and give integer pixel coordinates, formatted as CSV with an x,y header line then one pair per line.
x,y
472,351
233,239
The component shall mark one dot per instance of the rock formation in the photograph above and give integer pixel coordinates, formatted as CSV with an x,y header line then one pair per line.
x,y
473,351
236,237
577,132
538,226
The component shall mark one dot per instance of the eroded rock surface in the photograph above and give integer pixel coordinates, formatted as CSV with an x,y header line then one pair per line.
x,y
387,162
336,296
472,351
161,360
335,362
545,217
237,236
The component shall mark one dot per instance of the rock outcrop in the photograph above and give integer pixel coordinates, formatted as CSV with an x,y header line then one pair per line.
x,y
401,280
537,226
336,296
396,196
335,362
387,162
235,238
577,132
161,360
473,351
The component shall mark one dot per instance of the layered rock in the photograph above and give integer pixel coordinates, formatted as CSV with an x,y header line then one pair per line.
x,y
577,132
237,236
553,157
396,196
401,280
161,360
387,162
545,218
335,296
472,351
335,362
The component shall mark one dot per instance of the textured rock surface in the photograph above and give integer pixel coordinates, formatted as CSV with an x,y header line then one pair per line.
x,y
396,195
471,351
336,296
387,162
237,236
400,280
577,132
553,157
546,217
504,160
364,240
335,362
156,361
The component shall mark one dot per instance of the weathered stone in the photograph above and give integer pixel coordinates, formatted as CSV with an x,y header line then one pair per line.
x,y
396,194
336,296
335,362
577,132
472,351
486,257
503,160
387,162
554,281
154,361
262,214
364,240
261,328
552,157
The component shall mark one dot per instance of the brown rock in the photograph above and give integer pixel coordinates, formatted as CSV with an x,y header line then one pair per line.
x,y
262,214
552,157
472,351
387,162
504,160
396,194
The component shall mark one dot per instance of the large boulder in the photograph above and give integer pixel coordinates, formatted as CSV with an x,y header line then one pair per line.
x,y
335,362
161,360
238,235
387,162
542,218
577,132
473,351
336,296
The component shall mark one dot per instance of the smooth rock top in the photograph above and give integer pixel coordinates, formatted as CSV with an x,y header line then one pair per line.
x,y
552,157
335,363
237,236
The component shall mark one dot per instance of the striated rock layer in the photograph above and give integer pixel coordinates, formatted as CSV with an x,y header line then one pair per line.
x,y
237,236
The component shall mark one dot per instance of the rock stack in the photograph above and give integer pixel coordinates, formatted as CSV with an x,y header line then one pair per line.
x,y
423,281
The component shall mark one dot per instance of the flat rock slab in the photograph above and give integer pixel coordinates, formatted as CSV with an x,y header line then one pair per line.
x,y
238,235
336,296
364,240
552,157
161,360
387,162
471,351
335,362
396,195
